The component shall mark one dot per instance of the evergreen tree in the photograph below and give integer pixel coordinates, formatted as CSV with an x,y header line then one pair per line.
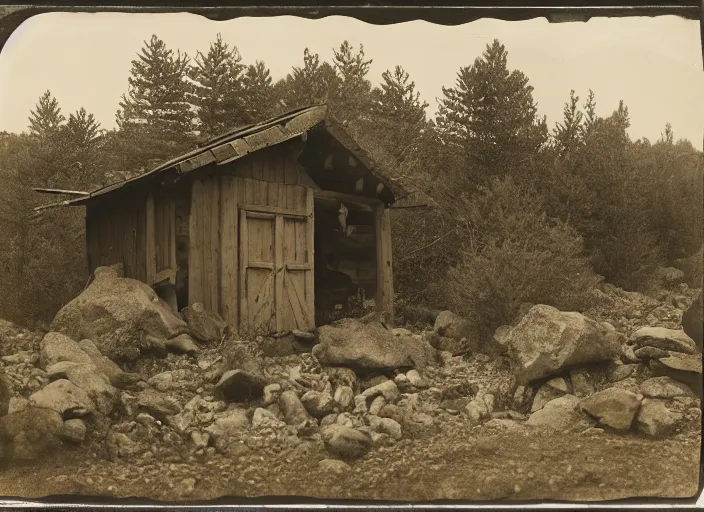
x,y
352,101
568,133
258,93
398,115
82,129
47,118
313,83
158,91
491,115
217,88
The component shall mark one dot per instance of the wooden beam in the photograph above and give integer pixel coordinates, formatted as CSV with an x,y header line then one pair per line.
x,y
61,192
384,265
347,198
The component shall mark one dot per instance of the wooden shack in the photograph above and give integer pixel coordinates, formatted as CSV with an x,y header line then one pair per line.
x,y
274,225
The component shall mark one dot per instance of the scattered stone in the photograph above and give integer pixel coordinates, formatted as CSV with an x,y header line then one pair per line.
x,y
656,420
664,387
335,466
416,380
239,386
30,434
96,385
477,411
581,385
544,395
450,325
188,485
104,364
293,410
205,326
629,355
74,430
344,397
341,376
613,407
387,389
665,339
453,346
547,340
376,405
271,393
56,347
559,384
158,404
200,439
263,418
645,353
346,442
182,344
681,367
226,426
16,404
369,346
619,371
386,426
304,336
561,414
318,404
63,397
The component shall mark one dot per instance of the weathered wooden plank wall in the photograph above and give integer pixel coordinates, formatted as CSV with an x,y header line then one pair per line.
x,y
116,233
269,178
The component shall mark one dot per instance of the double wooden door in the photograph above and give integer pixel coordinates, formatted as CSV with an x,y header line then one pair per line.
x,y
276,270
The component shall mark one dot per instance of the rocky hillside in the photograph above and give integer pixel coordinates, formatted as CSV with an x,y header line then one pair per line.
x,y
127,398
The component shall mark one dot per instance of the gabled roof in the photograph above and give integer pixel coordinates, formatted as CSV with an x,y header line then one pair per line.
x,y
242,141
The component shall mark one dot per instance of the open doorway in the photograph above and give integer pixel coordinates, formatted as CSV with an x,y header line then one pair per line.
x,y
345,261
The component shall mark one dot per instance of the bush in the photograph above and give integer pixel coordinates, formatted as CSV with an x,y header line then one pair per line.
x,y
517,254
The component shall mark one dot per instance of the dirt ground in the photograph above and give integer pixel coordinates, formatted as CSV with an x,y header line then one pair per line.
x,y
455,463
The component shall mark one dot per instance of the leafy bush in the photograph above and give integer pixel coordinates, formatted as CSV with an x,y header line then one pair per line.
x,y
516,254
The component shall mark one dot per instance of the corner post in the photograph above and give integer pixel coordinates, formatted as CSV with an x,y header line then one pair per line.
x,y
384,265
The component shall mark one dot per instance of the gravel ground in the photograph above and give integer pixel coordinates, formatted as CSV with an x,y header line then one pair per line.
x,y
453,462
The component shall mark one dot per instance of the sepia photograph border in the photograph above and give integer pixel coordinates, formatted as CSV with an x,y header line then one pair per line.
x,y
447,12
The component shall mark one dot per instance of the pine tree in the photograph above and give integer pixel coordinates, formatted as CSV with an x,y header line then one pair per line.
x,y
313,83
398,115
491,115
353,99
47,118
158,91
217,88
82,128
667,137
590,112
258,93
568,133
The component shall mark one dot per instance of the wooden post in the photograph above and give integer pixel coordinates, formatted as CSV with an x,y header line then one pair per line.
x,y
384,266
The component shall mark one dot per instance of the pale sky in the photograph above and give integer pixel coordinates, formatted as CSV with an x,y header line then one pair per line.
x,y
654,64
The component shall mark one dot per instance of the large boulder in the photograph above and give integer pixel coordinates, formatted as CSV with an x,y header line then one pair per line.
x,y
664,339
63,397
655,419
547,341
561,414
205,326
685,368
664,387
369,346
96,385
239,386
450,325
692,323
30,433
613,407
118,314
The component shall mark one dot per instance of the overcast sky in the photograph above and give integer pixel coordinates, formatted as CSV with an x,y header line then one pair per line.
x,y
654,64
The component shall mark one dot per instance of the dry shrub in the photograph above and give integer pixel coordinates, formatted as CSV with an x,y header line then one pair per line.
x,y
516,254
